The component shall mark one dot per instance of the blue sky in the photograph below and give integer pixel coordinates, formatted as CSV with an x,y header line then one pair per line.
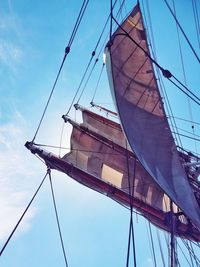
x,y
33,36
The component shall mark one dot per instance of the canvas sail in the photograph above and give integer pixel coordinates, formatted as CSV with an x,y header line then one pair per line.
x,y
98,159
108,161
140,108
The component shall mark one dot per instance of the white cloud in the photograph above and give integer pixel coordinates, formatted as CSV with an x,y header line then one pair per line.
x,y
15,178
11,208
10,54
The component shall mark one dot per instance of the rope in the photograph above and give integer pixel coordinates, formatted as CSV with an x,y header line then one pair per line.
x,y
61,137
184,74
111,16
198,103
188,41
22,216
88,65
184,255
160,80
152,245
166,73
131,229
196,18
78,21
93,54
97,85
87,80
67,50
57,219
191,252
194,135
80,84
160,247
193,122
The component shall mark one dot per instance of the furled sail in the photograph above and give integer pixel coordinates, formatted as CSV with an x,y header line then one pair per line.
x,y
140,108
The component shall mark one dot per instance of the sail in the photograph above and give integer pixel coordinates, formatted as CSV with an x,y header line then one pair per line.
x,y
109,162
140,108
99,163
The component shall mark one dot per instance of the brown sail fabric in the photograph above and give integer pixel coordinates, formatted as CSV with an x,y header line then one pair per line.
x,y
140,108
102,158
106,167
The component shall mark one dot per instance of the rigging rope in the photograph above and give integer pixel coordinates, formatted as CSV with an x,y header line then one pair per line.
x,y
180,248
193,122
67,50
191,253
57,219
160,80
184,73
22,216
78,21
131,194
160,247
188,41
152,244
93,53
89,63
80,84
97,85
87,80
196,18
166,73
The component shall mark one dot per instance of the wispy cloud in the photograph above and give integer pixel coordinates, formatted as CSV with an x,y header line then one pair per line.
x,y
14,171
10,54
11,48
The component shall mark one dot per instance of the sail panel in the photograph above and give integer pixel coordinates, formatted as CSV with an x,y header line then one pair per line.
x,y
105,127
140,108
106,163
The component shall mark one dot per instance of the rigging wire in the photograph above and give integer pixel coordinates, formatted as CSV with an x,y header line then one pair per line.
x,y
80,84
84,87
184,73
180,27
152,244
23,214
148,235
97,58
166,73
89,63
193,135
160,80
67,50
57,219
78,21
160,247
187,136
191,253
131,194
97,85
183,253
193,122
61,137
196,19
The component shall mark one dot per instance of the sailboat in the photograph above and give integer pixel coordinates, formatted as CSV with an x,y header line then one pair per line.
x,y
131,154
